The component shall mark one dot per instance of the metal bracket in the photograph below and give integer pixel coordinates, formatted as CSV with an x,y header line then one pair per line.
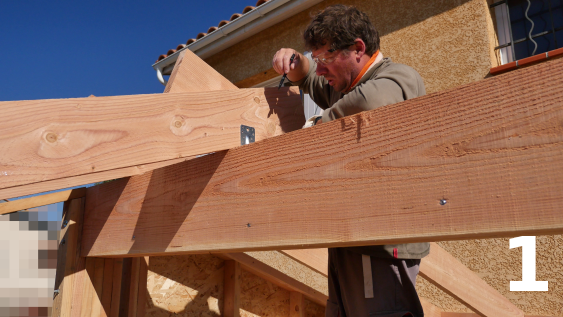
x,y
246,135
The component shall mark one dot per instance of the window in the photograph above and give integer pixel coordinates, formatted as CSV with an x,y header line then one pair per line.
x,y
527,27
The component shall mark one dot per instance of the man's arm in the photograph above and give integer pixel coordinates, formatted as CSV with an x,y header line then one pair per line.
x,y
368,96
295,71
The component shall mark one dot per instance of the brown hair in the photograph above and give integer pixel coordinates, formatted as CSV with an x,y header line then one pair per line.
x,y
340,26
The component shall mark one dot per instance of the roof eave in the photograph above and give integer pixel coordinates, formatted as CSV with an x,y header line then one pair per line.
x,y
256,20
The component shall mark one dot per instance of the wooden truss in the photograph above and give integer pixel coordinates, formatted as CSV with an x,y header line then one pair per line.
x,y
479,161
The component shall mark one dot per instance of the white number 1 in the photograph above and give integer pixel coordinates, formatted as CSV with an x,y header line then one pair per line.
x,y
528,282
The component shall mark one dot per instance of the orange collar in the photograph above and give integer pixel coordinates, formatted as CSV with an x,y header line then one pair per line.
x,y
362,73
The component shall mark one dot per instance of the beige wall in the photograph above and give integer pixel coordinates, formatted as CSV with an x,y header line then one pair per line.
x,y
449,42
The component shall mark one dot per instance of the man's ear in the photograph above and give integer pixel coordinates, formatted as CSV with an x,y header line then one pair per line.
x,y
360,47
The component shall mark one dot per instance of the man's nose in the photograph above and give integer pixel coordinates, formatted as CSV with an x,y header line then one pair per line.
x,y
321,69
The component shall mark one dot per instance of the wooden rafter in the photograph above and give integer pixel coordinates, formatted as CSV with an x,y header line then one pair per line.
x,y
64,138
273,275
43,200
85,179
482,160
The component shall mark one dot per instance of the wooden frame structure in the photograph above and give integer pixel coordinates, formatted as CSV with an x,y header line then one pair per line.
x,y
417,165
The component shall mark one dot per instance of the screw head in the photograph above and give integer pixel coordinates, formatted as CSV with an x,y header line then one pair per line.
x,y
443,202
65,223
63,241
133,238
248,225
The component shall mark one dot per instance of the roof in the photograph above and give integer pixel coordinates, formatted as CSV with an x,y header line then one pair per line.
x,y
212,29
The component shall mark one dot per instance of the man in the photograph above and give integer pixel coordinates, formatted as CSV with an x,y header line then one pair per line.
x,y
345,75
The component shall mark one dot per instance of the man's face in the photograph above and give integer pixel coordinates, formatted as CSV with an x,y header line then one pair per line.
x,y
338,67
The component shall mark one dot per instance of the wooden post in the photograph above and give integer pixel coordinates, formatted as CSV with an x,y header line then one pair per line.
x,y
296,304
231,288
70,266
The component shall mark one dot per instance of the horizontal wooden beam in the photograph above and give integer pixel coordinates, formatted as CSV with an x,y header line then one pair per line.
x,y
36,201
85,179
52,139
480,161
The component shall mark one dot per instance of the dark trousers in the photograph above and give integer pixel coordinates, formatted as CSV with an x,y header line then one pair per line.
x,y
393,286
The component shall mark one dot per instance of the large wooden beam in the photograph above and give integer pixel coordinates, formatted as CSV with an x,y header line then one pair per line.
x,y
482,160
52,139
192,74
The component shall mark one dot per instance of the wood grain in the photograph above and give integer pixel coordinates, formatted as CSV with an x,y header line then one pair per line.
x,y
231,289
192,74
62,263
492,150
98,284
116,288
85,179
429,309
43,200
447,273
88,292
142,293
316,259
107,287
296,304
134,286
74,265
53,139
269,273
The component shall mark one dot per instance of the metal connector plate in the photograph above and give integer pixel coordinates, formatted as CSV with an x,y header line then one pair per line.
x,y
246,135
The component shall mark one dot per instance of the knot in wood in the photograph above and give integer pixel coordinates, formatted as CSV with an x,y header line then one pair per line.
x,y
257,100
178,124
51,137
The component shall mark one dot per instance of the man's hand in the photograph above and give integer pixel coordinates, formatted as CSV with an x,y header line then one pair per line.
x,y
295,71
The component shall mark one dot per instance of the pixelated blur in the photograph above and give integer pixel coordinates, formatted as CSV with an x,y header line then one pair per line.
x,y
28,260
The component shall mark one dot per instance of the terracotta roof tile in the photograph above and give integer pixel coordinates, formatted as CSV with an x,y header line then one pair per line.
x,y
235,16
247,9
212,29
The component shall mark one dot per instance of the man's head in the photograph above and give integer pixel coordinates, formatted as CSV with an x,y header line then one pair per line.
x,y
340,26
342,40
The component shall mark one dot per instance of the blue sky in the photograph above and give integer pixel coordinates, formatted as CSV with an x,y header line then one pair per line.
x,y
67,49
